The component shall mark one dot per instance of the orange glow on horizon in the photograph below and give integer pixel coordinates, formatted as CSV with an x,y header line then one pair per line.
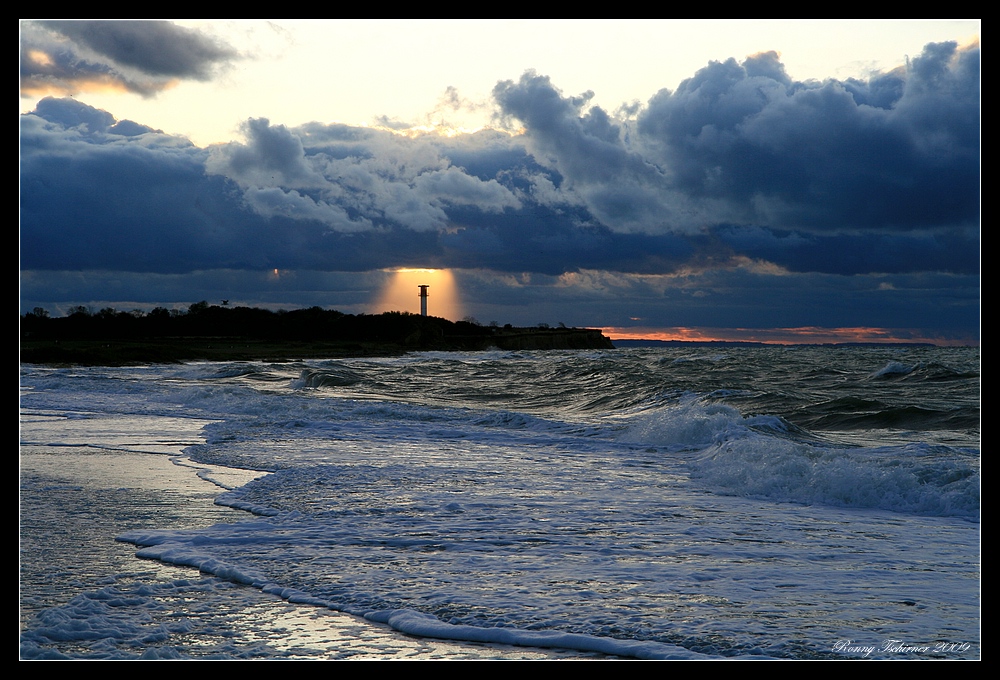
x,y
400,293
91,84
782,336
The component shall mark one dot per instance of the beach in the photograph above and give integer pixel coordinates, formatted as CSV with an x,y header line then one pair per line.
x,y
106,476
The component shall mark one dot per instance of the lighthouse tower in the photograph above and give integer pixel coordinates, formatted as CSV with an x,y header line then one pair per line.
x,y
423,298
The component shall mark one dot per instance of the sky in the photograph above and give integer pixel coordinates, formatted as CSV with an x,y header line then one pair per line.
x,y
775,181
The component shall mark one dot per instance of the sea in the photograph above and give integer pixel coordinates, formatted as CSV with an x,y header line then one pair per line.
x,y
766,502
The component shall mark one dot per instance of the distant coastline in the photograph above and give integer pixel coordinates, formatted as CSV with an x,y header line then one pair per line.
x,y
214,333
222,333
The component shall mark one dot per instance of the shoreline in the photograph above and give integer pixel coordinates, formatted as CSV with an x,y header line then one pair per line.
x,y
79,495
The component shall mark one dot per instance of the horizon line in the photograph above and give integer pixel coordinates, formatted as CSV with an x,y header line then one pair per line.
x,y
808,335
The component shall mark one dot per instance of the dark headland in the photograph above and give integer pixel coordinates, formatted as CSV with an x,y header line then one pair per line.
x,y
223,333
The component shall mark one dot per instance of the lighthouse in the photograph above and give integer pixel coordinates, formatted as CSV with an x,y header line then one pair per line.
x,y
423,298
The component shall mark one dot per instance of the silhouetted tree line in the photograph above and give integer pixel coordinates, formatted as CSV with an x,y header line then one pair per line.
x,y
202,320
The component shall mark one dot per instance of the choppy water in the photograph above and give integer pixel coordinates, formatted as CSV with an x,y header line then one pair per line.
x,y
732,502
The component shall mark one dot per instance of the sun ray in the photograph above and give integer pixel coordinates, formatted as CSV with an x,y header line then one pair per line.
x,y
401,292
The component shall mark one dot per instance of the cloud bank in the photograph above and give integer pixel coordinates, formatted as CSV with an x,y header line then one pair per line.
x,y
740,174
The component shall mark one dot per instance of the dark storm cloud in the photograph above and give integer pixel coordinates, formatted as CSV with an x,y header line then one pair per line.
x,y
588,150
271,151
744,143
138,56
900,152
154,47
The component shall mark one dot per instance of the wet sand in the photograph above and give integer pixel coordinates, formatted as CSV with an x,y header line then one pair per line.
x,y
76,497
